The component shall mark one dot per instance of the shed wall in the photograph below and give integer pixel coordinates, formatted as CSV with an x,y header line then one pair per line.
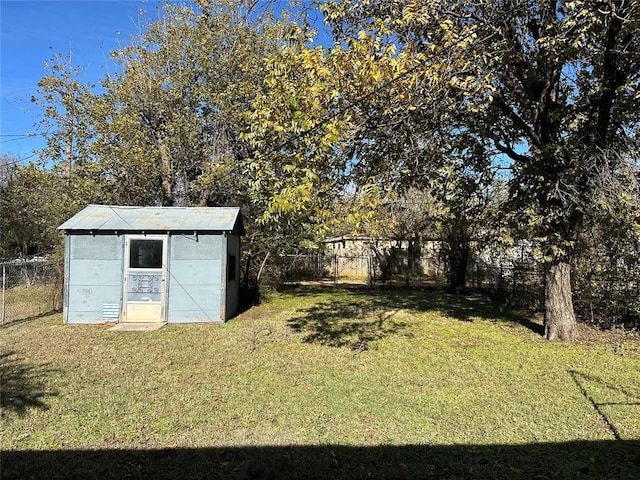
x,y
233,286
94,277
197,281
194,278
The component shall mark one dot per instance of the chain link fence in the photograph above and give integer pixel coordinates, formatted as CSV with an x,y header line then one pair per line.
x,y
29,289
353,268
326,267
605,295
519,285
608,295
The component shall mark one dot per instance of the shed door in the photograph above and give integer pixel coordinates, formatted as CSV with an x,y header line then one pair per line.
x,y
144,278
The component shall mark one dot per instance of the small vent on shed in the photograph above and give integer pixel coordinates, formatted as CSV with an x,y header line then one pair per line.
x,y
110,312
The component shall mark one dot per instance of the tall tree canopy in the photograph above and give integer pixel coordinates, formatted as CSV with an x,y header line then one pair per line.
x,y
552,86
66,123
169,123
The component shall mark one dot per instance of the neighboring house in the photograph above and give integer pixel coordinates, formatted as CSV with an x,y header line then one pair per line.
x,y
152,264
352,244
522,252
353,253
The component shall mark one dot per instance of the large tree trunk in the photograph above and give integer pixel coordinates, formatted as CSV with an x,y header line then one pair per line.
x,y
456,259
168,199
559,317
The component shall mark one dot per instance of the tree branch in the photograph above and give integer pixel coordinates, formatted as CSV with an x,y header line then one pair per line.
x,y
517,120
510,152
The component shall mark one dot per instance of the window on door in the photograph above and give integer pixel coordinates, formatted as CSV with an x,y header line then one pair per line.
x,y
145,253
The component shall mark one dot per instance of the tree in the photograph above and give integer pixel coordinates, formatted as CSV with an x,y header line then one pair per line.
x,y
179,123
338,122
551,85
34,202
67,175
65,101
170,120
294,172
463,189
8,164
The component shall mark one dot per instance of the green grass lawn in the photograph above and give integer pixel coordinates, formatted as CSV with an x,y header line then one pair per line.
x,y
322,383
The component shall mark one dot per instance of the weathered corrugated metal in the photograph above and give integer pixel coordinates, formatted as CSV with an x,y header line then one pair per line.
x,y
155,219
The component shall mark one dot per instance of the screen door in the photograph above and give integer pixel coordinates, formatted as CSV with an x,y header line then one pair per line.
x,y
144,282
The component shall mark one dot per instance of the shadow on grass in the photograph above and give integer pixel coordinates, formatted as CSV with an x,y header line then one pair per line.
x,y
352,322
624,397
580,459
11,323
356,316
23,385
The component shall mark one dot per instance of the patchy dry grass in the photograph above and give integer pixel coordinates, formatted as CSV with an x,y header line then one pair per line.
x,y
372,383
22,302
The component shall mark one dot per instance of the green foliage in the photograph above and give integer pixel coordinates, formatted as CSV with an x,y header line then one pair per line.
x,y
295,169
169,123
551,86
33,205
35,201
607,279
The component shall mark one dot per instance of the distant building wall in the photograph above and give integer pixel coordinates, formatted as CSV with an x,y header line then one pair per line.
x,y
354,253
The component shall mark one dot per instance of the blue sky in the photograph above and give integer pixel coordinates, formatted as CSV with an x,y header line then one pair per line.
x,y
31,32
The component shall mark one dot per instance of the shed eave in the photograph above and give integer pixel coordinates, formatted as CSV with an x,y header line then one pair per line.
x,y
79,231
124,219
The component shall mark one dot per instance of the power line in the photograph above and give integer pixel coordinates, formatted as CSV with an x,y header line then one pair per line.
x,y
14,140
11,161
15,89
19,134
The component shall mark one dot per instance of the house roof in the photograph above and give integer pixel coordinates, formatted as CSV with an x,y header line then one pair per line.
x,y
155,219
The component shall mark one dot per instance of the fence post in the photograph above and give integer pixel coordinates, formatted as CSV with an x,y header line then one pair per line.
x,y
4,288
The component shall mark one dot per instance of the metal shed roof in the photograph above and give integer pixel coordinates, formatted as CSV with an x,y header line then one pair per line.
x,y
148,219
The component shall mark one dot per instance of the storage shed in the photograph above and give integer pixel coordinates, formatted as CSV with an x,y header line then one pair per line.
x,y
151,264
